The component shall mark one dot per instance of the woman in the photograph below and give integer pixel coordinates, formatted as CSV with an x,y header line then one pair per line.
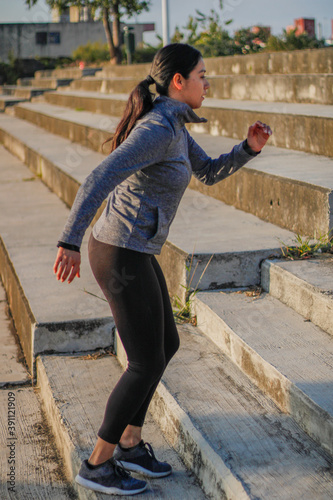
x,y
151,162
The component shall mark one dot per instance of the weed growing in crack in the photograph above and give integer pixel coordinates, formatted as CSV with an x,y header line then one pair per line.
x,y
307,247
183,312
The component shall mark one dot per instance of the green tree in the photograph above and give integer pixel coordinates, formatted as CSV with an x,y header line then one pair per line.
x,y
207,33
249,40
214,39
290,41
109,9
91,52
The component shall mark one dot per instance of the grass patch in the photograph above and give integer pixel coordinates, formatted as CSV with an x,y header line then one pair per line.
x,y
183,312
306,247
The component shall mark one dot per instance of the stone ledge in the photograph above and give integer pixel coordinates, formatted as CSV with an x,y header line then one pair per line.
x,y
304,127
291,189
287,358
48,315
304,285
74,392
9,100
295,61
315,88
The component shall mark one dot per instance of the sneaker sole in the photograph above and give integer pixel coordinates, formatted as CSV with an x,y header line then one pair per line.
x,y
141,470
105,489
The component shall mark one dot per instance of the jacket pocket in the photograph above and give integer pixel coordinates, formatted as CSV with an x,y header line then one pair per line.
x,y
157,228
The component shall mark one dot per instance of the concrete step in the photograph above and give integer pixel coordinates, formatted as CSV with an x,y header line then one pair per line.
x,y
203,458
236,441
289,358
295,61
53,83
240,239
26,92
231,118
75,408
292,62
66,73
315,89
48,317
48,83
31,467
96,102
246,432
12,369
304,285
139,71
83,127
295,187
105,85
24,82
9,100
24,233
289,188
292,123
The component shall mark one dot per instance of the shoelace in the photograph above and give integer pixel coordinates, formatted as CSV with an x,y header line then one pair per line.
x,y
149,450
119,469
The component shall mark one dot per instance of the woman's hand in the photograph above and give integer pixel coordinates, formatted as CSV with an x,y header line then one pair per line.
x,y
257,136
67,264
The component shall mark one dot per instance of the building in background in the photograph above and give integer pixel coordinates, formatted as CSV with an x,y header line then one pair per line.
x,y
74,27
305,25
72,15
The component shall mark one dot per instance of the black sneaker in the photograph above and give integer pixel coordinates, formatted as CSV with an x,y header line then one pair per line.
x,y
110,478
141,458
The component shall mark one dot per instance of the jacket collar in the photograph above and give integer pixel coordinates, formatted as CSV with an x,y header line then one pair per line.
x,y
178,112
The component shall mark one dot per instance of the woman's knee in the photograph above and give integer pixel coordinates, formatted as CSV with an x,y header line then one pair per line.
x,y
148,371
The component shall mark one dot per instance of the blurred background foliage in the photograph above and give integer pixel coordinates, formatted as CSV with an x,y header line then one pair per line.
x,y
209,33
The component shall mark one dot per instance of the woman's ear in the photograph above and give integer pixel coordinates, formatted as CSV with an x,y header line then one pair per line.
x,y
177,81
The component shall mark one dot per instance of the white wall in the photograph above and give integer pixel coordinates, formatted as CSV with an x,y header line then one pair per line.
x,y
20,39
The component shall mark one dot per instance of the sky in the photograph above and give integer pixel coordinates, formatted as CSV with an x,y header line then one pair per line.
x,y
274,13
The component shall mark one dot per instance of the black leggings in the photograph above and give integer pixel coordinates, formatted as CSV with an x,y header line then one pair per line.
x,y
135,288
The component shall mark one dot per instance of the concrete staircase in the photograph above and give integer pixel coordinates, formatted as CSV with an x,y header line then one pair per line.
x,y
246,403
43,81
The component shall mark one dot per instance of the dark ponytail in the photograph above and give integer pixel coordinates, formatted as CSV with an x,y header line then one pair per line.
x,y
139,103
171,59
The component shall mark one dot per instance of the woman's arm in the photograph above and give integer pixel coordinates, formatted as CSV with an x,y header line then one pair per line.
x,y
210,171
146,145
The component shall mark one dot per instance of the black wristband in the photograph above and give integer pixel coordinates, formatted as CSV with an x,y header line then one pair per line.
x,y
250,150
68,246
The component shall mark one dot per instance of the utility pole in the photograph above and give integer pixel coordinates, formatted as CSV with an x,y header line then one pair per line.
x,y
165,22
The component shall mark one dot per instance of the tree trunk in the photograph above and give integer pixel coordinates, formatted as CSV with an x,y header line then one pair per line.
x,y
116,30
108,34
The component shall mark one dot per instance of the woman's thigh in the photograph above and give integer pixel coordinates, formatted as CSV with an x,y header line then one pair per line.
x,y
132,287
171,337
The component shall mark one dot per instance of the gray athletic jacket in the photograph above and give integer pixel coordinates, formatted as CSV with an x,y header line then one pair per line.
x,y
144,180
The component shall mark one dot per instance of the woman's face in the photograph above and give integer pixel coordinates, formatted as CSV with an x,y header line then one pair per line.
x,y
195,86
